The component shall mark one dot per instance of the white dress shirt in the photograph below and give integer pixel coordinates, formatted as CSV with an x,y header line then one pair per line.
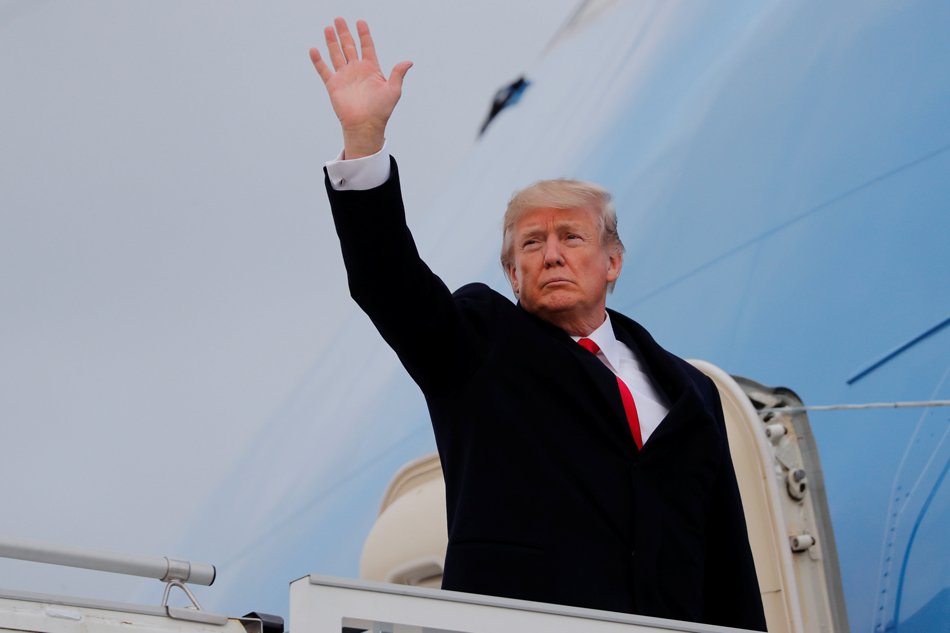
x,y
358,174
372,171
620,359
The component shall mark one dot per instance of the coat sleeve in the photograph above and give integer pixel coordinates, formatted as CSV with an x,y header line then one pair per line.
x,y
409,305
731,594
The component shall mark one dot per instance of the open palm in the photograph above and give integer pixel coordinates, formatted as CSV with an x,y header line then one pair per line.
x,y
362,97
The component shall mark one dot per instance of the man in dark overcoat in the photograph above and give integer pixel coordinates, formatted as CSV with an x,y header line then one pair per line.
x,y
584,464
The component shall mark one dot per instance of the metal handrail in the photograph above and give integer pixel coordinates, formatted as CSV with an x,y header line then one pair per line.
x,y
161,568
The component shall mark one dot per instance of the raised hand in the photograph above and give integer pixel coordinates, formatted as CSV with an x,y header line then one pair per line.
x,y
362,97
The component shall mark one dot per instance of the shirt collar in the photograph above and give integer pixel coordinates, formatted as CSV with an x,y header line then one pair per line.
x,y
607,342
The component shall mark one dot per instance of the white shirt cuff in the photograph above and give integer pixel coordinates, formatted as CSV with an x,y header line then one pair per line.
x,y
359,174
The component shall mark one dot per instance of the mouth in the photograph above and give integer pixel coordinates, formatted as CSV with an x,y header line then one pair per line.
x,y
558,281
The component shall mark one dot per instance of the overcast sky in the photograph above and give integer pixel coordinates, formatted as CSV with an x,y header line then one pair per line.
x,y
160,200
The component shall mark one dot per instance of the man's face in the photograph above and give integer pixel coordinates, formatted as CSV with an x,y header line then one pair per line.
x,y
559,269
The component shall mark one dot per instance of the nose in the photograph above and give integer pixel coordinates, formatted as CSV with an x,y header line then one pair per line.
x,y
552,252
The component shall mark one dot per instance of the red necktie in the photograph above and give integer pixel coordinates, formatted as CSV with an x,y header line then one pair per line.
x,y
628,405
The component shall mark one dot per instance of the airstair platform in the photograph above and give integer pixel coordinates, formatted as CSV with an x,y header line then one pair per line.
x,y
319,604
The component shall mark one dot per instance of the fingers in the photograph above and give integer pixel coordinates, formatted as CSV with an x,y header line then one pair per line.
x,y
366,40
322,69
342,49
399,73
333,47
346,40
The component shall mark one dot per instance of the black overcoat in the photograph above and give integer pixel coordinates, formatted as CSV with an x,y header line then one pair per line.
x,y
547,496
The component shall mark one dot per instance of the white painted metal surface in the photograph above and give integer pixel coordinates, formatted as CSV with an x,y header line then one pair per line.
x,y
49,614
324,605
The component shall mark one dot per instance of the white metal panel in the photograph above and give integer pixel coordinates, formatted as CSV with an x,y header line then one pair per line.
x,y
56,616
324,605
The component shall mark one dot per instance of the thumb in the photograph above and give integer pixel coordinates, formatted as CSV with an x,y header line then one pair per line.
x,y
399,73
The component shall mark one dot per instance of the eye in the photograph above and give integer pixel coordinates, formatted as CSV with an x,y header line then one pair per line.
x,y
574,236
530,243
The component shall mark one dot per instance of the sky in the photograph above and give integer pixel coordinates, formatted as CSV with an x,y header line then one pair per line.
x,y
164,280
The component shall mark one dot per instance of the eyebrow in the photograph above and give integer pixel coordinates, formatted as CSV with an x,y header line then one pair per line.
x,y
560,225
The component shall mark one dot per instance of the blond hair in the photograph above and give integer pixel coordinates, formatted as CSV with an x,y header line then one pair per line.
x,y
562,193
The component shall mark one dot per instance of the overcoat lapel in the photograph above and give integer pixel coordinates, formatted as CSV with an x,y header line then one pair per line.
x,y
668,376
601,383
604,383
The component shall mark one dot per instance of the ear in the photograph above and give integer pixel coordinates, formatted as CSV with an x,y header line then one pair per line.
x,y
513,279
614,264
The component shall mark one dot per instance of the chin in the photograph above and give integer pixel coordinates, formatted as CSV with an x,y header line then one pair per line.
x,y
556,306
